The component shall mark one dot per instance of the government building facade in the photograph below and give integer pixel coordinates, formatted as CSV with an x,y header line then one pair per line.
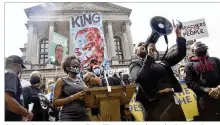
x,y
45,19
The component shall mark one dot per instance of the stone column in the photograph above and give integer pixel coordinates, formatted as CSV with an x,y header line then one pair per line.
x,y
111,46
128,31
51,30
106,41
29,46
71,46
34,47
126,44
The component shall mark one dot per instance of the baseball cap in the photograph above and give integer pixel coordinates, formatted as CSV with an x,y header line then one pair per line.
x,y
15,59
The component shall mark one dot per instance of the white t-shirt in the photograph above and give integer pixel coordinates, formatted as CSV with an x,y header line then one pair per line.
x,y
25,83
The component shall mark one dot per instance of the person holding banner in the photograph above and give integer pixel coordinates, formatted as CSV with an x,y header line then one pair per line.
x,y
203,77
69,94
156,82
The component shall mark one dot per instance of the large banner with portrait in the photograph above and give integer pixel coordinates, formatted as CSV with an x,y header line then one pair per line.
x,y
57,49
88,37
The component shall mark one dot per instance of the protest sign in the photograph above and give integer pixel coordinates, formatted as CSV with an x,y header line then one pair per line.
x,y
117,70
187,100
195,29
136,109
88,37
57,49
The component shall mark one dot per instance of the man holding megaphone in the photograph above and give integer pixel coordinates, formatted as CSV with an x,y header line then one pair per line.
x,y
156,80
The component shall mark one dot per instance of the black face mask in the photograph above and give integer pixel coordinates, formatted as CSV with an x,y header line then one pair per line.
x,y
74,70
74,67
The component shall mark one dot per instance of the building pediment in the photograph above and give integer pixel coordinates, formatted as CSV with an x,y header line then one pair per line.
x,y
81,7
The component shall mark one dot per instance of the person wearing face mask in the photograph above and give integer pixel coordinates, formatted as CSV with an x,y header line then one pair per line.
x,y
69,94
202,75
53,111
31,96
156,81
97,71
14,110
92,63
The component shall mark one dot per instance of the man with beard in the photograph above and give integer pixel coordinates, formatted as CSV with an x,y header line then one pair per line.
x,y
203,77
156,82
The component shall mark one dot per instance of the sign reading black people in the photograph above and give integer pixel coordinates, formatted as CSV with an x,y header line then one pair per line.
x,y
195,29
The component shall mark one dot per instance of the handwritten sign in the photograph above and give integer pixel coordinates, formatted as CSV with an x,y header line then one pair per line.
x,y
195,29
114,70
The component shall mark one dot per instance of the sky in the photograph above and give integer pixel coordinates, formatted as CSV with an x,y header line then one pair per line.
x,y
16,32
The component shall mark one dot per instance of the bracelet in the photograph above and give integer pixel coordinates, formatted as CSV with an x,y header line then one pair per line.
x,y
72,97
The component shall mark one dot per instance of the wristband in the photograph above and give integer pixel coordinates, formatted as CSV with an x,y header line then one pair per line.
x,y
72,97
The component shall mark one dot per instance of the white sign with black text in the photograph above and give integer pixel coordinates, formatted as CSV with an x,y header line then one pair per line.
x,y
195,29
117,70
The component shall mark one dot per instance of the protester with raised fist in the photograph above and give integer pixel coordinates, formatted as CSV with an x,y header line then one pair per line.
x,y
156,81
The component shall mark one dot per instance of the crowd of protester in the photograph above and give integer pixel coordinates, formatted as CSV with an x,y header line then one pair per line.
x,y
60,99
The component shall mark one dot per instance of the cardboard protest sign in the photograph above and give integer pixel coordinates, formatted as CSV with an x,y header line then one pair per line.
x,y
195,29
57,49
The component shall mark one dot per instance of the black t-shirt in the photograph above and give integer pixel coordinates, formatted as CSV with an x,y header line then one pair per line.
x,y
31,96
13,86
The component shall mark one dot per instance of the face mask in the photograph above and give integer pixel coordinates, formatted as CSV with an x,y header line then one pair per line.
x,y
97,72
74,70
74,67
51,86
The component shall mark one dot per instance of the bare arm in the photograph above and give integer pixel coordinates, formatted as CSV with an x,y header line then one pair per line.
x,y
14,106
57,101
